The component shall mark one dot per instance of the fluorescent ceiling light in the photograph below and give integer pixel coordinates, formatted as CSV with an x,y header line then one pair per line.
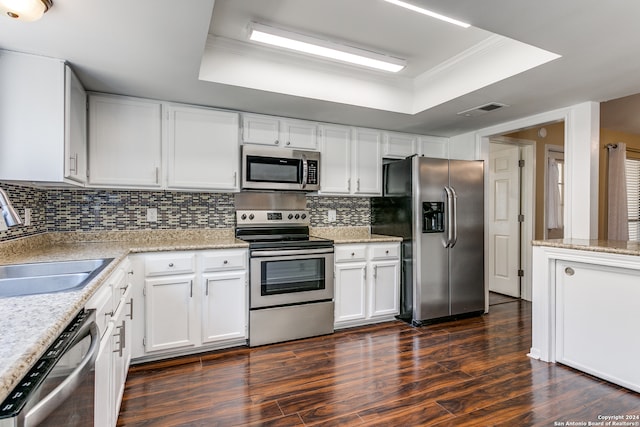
x,y
324,48
428,13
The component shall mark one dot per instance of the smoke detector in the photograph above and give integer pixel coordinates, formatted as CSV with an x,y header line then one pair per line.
x,y
482,109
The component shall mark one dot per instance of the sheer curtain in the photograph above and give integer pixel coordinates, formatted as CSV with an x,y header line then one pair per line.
x,y
618,225
554,205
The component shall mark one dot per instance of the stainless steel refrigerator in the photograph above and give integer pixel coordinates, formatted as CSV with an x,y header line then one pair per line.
x,y
437,207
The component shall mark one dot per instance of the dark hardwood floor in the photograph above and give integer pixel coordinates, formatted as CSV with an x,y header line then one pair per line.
x,y
471,372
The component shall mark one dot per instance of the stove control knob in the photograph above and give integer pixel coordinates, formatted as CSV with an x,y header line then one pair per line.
x,y
303,216
290,216
243,217
251,216
297,216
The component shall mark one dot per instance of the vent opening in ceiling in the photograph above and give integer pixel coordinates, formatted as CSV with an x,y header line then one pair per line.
x,y
482,109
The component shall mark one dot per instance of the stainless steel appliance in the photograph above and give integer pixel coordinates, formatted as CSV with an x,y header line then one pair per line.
x,y
290,273
59,389
269,168
437,206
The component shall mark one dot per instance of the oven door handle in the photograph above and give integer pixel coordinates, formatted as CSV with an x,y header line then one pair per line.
x,y
62,392
292,252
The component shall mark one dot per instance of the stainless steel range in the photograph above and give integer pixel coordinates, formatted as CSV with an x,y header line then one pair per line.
x,y
290,273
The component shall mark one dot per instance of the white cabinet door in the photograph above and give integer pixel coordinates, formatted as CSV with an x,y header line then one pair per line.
x,y
384,294
203,149
366,162
121,350
41,115
597,316
224,306
75,131
104,386
399,145
262,130
434,146
350,291
169,312
335,160
125,140
298,134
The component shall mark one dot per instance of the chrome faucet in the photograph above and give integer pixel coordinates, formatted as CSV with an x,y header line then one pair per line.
x,y
10,215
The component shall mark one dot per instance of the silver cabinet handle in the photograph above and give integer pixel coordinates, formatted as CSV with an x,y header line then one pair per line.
x,y
157,175
62,392
358,188
190,288
74,169
375,271
120,335
206,289
235,179
365,273
130,304
349,185
569,271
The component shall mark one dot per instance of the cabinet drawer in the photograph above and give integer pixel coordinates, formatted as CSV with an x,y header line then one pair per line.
x,y
162,265
350,253
385,251
224,260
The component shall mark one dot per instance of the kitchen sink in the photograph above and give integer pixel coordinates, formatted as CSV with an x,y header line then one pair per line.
x,y
48,277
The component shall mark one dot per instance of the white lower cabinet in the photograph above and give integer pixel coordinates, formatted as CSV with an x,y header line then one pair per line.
x,y
114,305
193,300
367,285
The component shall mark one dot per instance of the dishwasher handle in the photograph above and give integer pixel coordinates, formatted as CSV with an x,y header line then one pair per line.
x,y
42,409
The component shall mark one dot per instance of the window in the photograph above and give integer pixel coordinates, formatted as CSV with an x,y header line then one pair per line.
x,y
632,169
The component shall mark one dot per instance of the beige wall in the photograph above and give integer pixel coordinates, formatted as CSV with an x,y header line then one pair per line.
x,y
555,136
608,136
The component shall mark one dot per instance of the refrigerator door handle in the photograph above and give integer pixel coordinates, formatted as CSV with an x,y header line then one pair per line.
x,y
449,223
454,216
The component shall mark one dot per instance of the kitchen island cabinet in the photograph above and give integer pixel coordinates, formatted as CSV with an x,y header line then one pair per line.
x,y
586,307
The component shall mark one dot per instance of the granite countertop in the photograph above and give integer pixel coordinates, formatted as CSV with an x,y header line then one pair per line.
x,y
351,235
29,324
605,246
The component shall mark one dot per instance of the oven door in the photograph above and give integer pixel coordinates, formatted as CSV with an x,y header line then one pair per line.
x,y
290,276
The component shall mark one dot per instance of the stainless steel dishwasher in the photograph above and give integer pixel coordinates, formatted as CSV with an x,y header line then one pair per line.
x,y
59,388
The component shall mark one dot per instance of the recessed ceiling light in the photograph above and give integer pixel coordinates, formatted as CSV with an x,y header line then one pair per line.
x,y
324,48
428,13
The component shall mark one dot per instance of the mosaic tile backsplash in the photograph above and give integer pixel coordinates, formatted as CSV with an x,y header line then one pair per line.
x,y
103,210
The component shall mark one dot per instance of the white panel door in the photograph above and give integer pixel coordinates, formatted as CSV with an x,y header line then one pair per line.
x,y
75,131
350,291
366,162
169,311
298,134
125,142
385,288
203,149
335,159
504,228
399,145
262,130
224,306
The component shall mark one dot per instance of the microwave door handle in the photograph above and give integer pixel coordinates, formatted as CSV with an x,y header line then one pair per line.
x,y
305,172
62,392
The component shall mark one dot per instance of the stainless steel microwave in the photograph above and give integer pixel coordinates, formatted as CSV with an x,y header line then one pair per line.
x,y
269,168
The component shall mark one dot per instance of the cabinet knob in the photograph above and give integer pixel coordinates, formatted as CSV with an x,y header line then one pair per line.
x,y
353,254
569,271
170,264
277,142
288,142
225,262
387,252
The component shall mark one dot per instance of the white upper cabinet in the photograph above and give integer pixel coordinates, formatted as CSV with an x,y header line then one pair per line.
x,y
399,145
335,159
42,120
279,132
366,162
351,161
125,142
434,146
203,149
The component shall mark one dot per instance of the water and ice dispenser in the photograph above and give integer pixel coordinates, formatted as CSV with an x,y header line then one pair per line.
x,y
432,217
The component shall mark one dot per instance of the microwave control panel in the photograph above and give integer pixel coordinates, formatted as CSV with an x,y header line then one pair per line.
x,y
312,177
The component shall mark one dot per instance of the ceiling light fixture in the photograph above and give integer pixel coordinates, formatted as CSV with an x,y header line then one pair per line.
x,y
327,49
25,10
428,13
